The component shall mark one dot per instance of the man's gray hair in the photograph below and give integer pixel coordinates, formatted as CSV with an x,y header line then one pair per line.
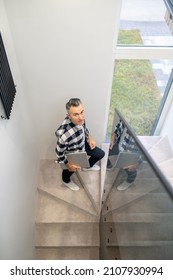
x,y
75,102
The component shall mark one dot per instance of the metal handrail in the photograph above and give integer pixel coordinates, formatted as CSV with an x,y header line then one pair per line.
x,y
153,164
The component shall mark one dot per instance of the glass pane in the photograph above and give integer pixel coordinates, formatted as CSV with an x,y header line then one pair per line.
x,y
145,23
137,211
137,91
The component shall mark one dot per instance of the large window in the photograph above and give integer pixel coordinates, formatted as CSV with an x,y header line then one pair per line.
x,y
138,83
149,19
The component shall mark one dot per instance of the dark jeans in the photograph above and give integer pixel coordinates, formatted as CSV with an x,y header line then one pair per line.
x,y
95,155
131,175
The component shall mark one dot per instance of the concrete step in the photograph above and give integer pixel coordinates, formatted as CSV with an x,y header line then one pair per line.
x,y
67,253
50,173
149,141
167,168
161,151
50,181
145,171
145,175
136,192
67,234
78,199
51,210
91,180
117,217
140,243
136,232
141,252
148,203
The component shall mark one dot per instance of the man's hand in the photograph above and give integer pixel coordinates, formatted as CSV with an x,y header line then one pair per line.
x,y
91,142
131,167
72,167
111,145
112,140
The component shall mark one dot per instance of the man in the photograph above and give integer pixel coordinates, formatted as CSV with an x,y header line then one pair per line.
x,y
73,135
121,140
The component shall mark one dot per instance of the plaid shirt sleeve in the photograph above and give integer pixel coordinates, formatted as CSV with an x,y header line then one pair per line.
x,y
119,129
60,150
127,142
86,132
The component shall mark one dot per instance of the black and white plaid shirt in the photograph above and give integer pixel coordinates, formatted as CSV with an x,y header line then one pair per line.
x,y
125,140
70,137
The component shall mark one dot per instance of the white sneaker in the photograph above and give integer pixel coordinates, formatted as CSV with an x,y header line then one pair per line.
x,y
72,186
93,168
124,186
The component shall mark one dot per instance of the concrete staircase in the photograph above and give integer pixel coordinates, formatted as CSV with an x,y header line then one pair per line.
x,y
138,222
67,222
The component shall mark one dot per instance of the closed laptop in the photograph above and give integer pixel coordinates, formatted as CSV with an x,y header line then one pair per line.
x,y
77,158
126,158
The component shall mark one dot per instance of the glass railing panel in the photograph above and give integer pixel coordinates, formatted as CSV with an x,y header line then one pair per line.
x,y
137,222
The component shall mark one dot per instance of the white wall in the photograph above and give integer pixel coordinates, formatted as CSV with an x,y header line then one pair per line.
x,y
57,49
64,49
18,166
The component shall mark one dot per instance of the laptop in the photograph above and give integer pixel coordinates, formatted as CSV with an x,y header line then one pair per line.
x,y
126,158
78,158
